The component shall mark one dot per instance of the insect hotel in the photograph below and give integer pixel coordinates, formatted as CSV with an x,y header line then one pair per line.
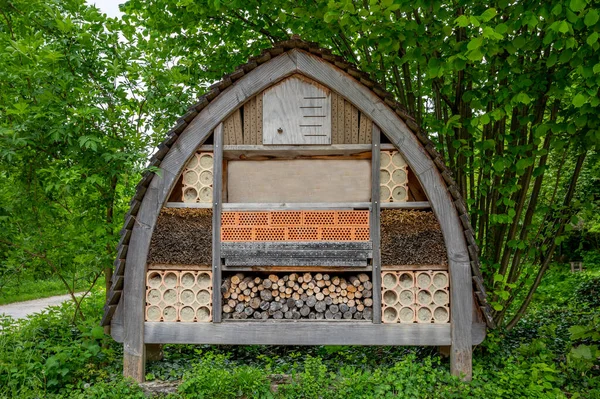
x,y
297,203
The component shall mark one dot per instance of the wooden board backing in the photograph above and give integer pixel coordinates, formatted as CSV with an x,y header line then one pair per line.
x,y
299,181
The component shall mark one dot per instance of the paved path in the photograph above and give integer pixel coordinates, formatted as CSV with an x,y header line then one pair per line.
x,y
20,310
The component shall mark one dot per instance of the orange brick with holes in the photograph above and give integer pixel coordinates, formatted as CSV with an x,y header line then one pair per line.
x,y
295,226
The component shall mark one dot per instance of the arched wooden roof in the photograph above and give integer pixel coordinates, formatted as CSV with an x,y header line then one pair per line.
x,y
272,65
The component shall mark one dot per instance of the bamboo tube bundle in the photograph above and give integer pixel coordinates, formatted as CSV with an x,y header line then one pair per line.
x,y
293,296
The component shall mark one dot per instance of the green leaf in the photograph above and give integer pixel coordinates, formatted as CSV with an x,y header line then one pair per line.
x,y
475,43
557,9
475,55
462,21
592,39
579,100
563,26
582,352
98,332
597,68
577,5
591,17
488,14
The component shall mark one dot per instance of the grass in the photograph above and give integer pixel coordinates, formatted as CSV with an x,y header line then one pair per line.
x,y
30,288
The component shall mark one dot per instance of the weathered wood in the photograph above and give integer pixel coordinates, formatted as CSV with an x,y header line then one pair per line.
x,y
157,266
414,267
298,332
406,205
216,219
296,206
335,139
296,253
230,248
311,261
298,181
296,268
297,111
188,205
354,121
375,223
290,152
348,123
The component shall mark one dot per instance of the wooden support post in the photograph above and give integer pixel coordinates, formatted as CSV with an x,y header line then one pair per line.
x,y
216,221
461,318
375,229
154,352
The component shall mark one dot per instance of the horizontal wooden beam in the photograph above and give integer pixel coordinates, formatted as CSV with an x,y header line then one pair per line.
x,y
188,205
295,206
230,247
313,332
293,151
308,261
300,269
414,267
406,205
156,266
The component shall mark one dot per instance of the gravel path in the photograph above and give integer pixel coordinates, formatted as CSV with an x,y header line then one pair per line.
x,y
20,310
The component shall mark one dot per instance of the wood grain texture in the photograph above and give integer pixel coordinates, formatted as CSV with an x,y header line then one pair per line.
x,y
297,261
375,223
216,220
290,152
298,333
335,139
406,205
271,206
297,111
230,248
354,122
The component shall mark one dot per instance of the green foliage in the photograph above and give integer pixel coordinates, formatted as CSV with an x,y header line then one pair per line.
x,y
214,378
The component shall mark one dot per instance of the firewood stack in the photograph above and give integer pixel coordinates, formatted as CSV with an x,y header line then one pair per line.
x,y
298,296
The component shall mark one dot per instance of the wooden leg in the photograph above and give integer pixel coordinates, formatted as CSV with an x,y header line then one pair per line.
x,y
134,365
154,352
461,363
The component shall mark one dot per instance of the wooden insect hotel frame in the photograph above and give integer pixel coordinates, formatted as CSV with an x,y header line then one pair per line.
x,y
297,204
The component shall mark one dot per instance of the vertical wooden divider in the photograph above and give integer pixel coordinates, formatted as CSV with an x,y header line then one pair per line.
x,y
216,220
375,217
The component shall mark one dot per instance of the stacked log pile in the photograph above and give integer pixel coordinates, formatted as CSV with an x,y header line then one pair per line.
x,y
298,296
182,237
411,237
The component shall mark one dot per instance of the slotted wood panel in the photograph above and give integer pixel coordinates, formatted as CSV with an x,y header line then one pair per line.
x,y
232,129
252,129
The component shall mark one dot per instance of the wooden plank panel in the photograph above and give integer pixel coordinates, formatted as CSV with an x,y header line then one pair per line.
x,y
216,221
238,128
259,119
375,224
340,120
334,123
295,253
406,205
369,133
299,181
253,121
354,121
362,130
311,261
414,267
299,245
297,111
402,334
341,206
348,123
298,333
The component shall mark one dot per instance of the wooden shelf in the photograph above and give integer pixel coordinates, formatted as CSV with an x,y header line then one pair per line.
x,y
293,151
298,269
406,205
302,205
